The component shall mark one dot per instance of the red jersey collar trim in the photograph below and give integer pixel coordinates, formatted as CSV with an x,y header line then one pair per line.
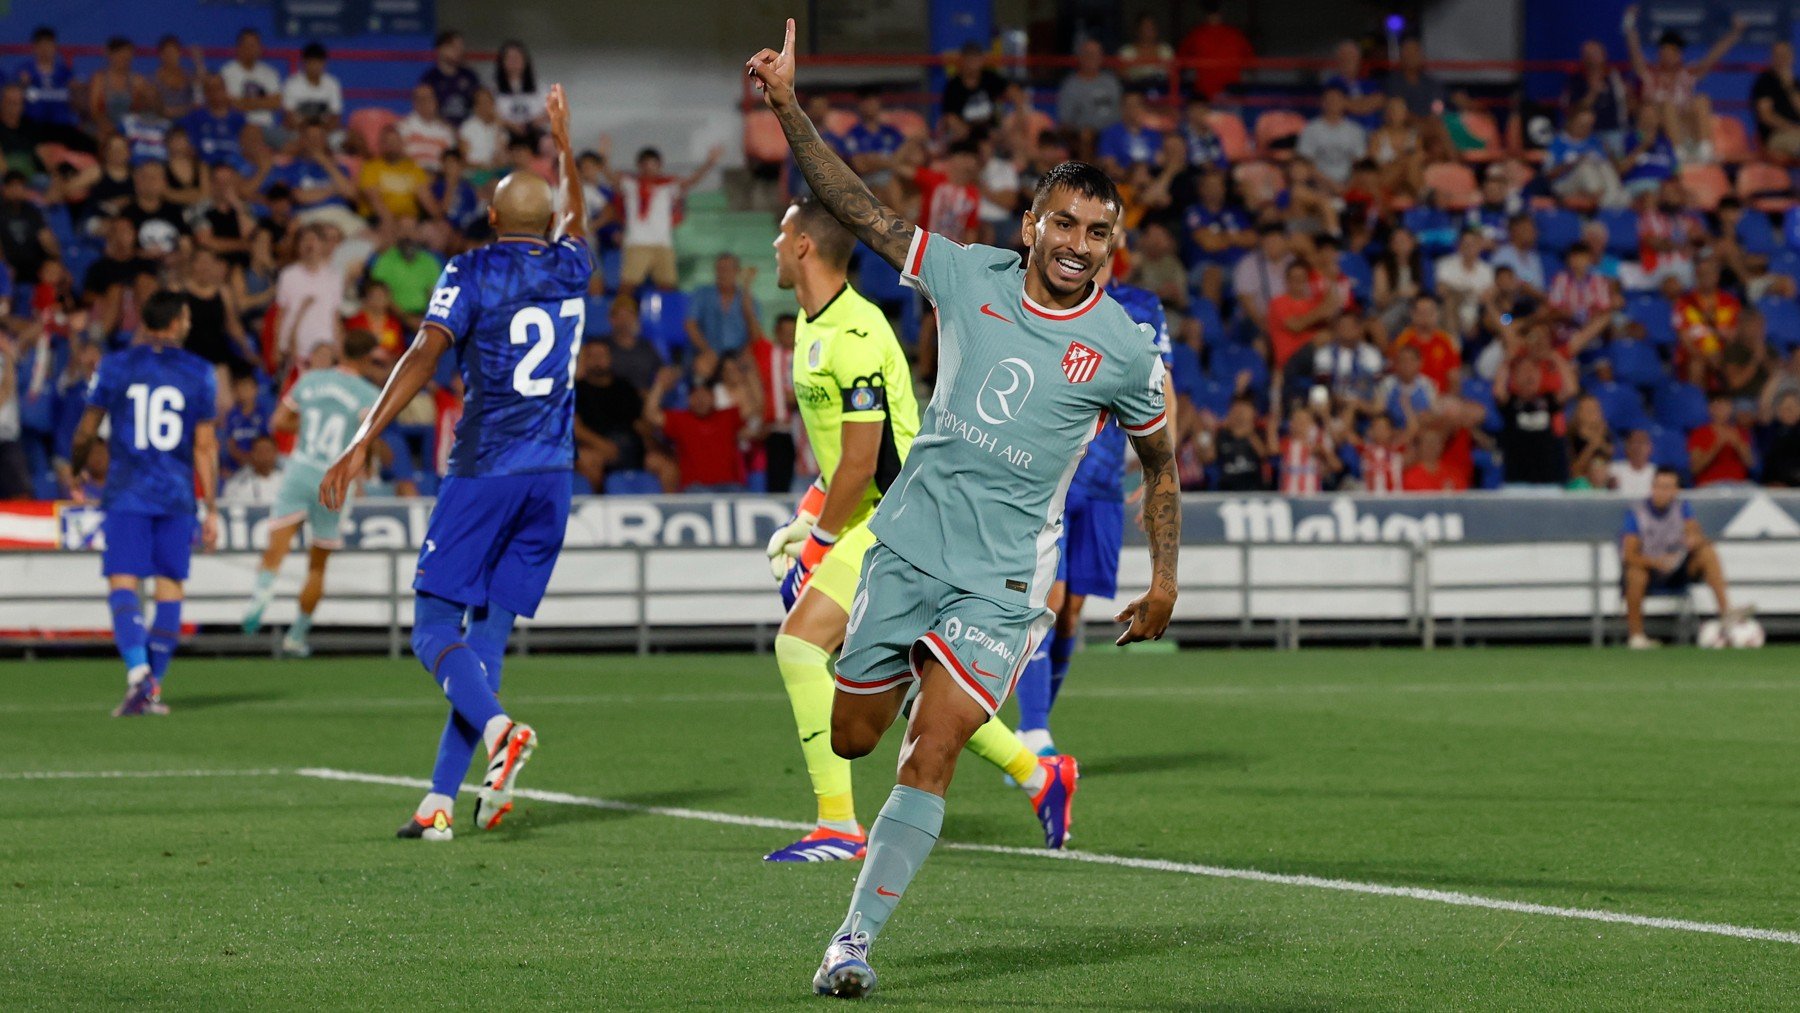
x,y
1071,313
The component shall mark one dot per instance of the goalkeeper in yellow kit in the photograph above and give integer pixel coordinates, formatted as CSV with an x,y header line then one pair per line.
x,y
856,398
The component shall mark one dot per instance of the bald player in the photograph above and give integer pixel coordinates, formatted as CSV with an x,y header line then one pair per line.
x,y
512,311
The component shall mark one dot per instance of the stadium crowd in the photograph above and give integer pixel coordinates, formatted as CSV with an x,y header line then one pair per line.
x,y
1376,288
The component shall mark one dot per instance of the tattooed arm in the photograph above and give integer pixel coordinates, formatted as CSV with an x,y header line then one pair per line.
x,y
1149,613
837,186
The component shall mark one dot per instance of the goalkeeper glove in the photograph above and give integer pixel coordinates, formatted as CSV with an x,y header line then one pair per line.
x,y
817,544
784,545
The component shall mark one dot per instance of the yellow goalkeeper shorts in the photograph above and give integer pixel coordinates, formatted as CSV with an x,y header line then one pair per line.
x,y
839,571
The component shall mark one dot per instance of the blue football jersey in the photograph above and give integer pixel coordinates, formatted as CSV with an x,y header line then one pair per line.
x,y
153,396
516,309
1101,474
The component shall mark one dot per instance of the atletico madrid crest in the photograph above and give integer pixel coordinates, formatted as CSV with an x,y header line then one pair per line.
x,y
1080,363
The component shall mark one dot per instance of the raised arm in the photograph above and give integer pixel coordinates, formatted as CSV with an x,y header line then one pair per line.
x,y
837,186
1149,614
574,212
1639,65
411,374
1720,48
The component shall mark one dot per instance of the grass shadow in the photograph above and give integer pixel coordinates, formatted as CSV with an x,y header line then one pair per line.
x,y
210,701
1156,763
530,814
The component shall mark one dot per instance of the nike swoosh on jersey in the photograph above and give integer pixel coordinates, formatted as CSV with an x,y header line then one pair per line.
x,y
988,308
885,892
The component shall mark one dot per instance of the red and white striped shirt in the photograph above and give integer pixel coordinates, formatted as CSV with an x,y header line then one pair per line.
x,y
775,374
1382,467
1300,465
1581,298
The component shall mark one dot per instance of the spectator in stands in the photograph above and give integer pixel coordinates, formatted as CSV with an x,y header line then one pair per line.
x,y
1350,365
109,278
1632,475
1649,159
409,270
516,93
609,417
1003,193
1298,315
246,418
1332,141
20,137
1670,233
1532,423
25,236
706,437
253,283
116,90
1205,149
1520,252
48,81
256,484
1238,452
1427,471
1309,463
1224,48
1146,59
1424,95
723,317
1089,99
216,332
454,201
216,126
392,184
485,136
1406,394
1720,451
1590,439
171,82
1670,83
1397,150
452,83
314,93
773,360
1781,442
872,143
1440,356
972,95
315,180
1595,87
634,360
1364,98
1399,279
184,170
950,198
1129,143
1706,318
1775,101
425,134
223,221
1581,302
254,85
375,314
1662,549
1579,167
1462,278
1220,234
1744,363
1261,273
649,198
308,296
1157,266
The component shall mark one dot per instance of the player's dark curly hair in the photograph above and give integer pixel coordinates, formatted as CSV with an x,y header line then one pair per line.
x,y
1081,177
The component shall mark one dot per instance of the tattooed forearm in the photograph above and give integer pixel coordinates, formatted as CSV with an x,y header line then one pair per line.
x,y
1162,505
842,191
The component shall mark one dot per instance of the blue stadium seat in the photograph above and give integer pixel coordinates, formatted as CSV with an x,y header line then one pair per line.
x,y
878,280
1657,316
1677,405
1212,326
1622,404
1756,235
1782,318
1669,449
578,485
1489,474
1636,363
1558,229
1786,262
632,483
1229,359
664,316
1362,276
1621,230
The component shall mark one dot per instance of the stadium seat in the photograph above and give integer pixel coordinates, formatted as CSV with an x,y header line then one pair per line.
x,y
764,141
1230,358
1765,187
368,122
612,262
664,317
1706,184
1786,261
1233,136
1558,228
1636,363
632,483
1275,127
1621,230
1212,325
1621,403
1454,183
1677,405
1781,317
1731,143
1482,127
911,124
1657,316
1361,275
1669,449
1756,235
1259,182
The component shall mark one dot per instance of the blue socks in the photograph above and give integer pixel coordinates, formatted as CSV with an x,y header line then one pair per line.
x,y
487,631
1033,691
1062,648
165,636
128,627
900,840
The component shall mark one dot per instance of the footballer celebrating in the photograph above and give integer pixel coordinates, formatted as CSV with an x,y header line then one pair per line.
x,y
512,311
856,399
1034,358
160,400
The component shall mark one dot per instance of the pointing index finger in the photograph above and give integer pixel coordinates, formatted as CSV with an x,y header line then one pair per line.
x,y
787,45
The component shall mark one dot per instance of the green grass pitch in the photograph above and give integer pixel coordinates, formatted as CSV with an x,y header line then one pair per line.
x,y
1659,785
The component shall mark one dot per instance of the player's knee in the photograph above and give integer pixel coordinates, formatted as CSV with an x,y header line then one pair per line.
x,y
852,739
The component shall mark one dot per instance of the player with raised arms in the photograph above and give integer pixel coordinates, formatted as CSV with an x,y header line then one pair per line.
x,y
512,311
1034,357
161,401
324,407
856,398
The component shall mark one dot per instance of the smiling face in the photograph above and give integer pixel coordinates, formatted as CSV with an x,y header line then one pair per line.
x,y
1069,238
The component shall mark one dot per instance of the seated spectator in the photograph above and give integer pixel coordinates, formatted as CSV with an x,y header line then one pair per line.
x,y
516,93
1520,252
1423,94
409,270
254,85
1129,143
1581,302
162,224
1669,235
255,484
706,437
392,184
1649,159
1003,194
772,359
1308,461
1595,87
1397,150
1781,443
1499,204
1399,279
634,360
1146,59
316,181
186,173
1669,83
49,82
452,84
314,93
223,221
1662,550
1155,265
1632,475
1363,97
1719,452
25,236
1333,141
1219,232
453,199
949,199
1462,278
1440,357
1382,457
1706,318
610,427
1090,97
1532,424
1590,439
1775,102
1237,451
1744,363
215,330
1350,365
1205,149
1428,472
424,134
1224,49
114,274
1406,394
1260,275
246,420
971,98
172,84
1578,166
116,90
217,125
871,144
724,316
484,135
253,282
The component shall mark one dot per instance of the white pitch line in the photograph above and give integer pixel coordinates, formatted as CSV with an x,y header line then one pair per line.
x,y
1125,861
107,775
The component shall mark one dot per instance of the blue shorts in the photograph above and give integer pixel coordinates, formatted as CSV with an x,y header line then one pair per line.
x,y
147,545
495,538
1093,533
